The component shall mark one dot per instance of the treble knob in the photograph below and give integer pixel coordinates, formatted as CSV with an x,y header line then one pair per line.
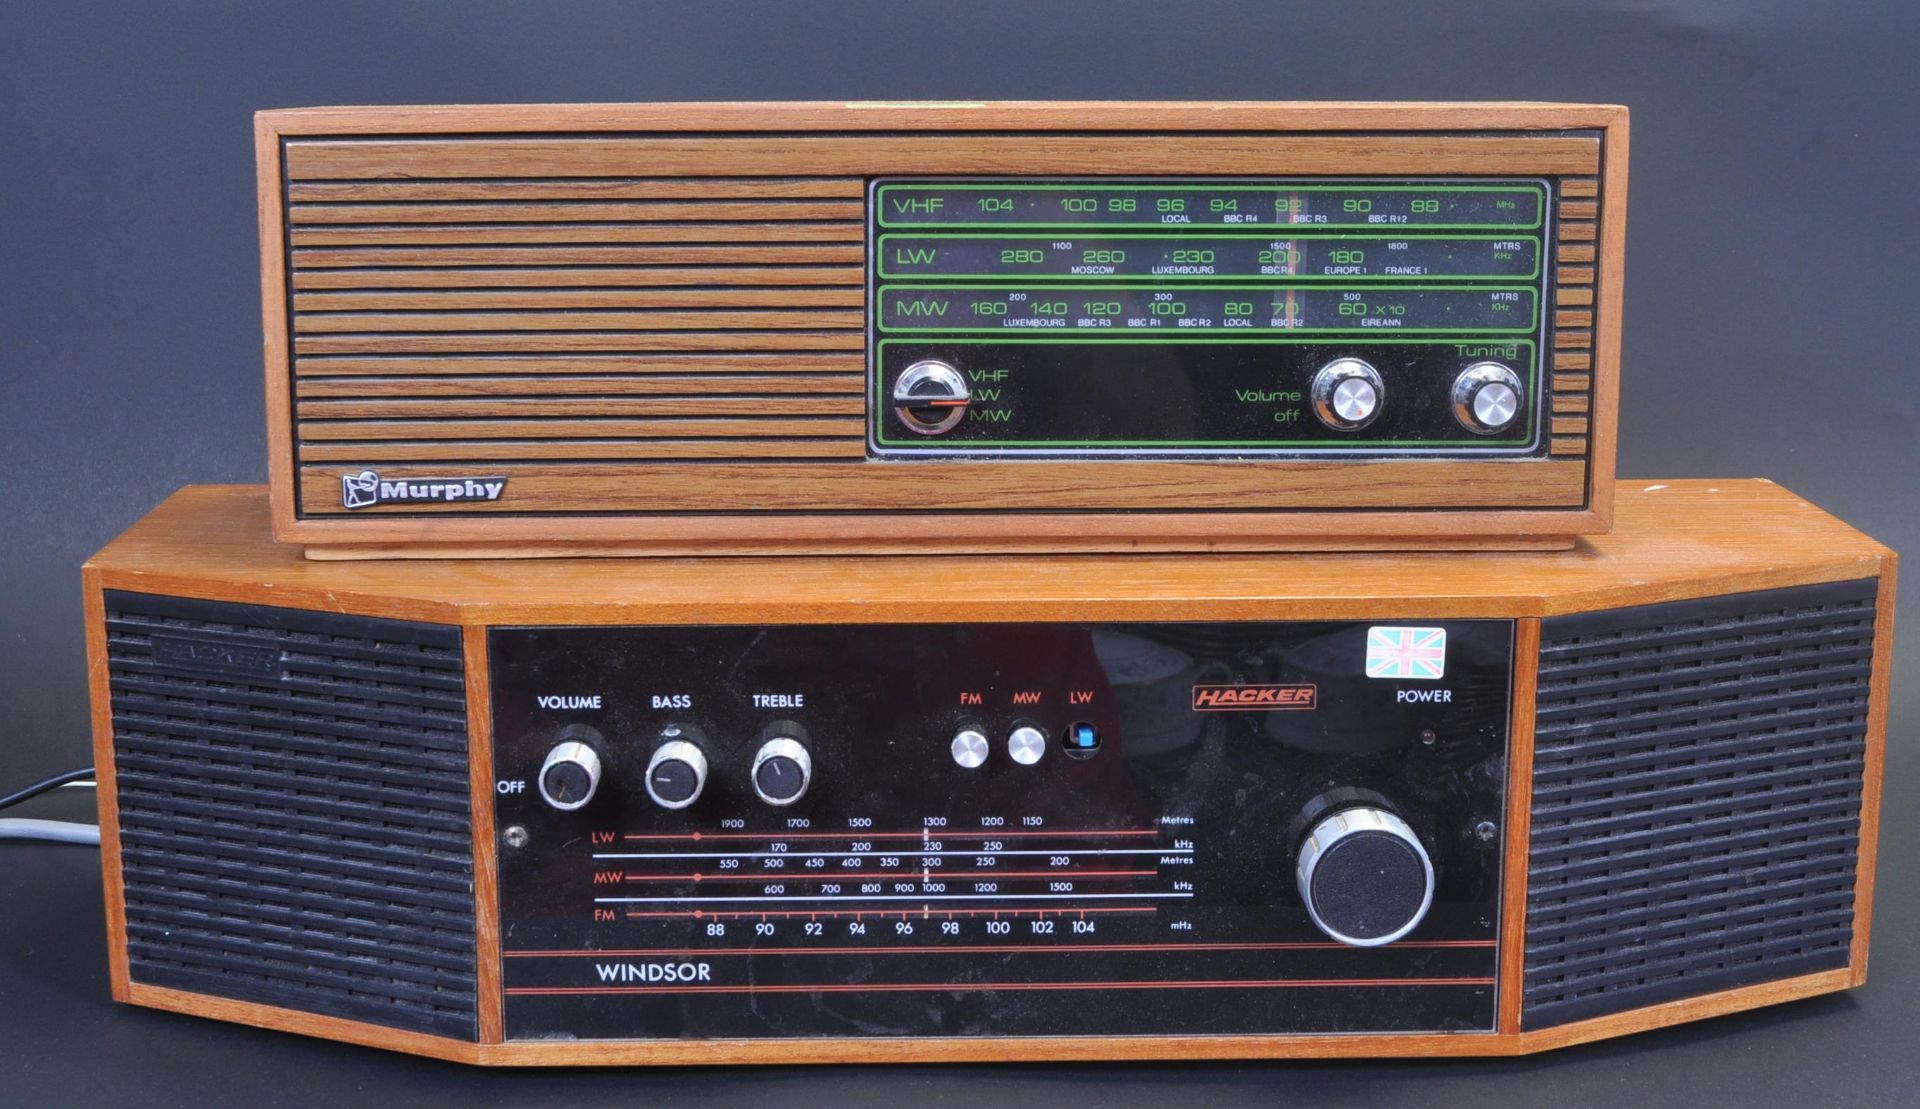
x,y
1365,876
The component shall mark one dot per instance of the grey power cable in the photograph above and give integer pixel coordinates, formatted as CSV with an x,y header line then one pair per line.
x,y
19,829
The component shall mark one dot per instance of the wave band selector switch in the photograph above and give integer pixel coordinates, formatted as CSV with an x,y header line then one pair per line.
x,y
676,774
571,773
1487,398
782,770
1365,876
969,749
1026,744
1347,394
931,397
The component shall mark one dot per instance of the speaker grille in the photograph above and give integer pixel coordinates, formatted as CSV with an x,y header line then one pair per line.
x,y
1696,807
293,809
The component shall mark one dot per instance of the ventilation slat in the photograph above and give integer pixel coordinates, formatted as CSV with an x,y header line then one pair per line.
x,y
556,212
495,279
668,258
579,234
531,387
689,296
1696,810
577,428
578,188
293,809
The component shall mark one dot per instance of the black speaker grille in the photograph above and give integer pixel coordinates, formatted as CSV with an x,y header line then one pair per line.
x,y
1696,798
293,809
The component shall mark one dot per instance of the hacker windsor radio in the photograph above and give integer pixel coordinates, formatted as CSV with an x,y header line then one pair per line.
x,y
597,811
783,327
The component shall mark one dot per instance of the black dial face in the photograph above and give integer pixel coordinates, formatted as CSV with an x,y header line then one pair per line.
x,y
566,782
1189,316
1018,829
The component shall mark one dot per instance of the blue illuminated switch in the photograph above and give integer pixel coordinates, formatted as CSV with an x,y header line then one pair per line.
x,y
1081,739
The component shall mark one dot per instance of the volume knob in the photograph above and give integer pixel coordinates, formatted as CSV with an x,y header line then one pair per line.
x,y
1347,394
569,776
1365,877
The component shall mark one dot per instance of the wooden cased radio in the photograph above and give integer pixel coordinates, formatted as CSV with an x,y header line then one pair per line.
x,y
1102,807
771,328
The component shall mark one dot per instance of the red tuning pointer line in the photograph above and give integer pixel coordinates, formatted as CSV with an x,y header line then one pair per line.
x,y
928,833
903,914
785,876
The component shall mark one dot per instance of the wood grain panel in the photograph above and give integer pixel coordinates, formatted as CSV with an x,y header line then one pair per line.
x,y
550,299
1873,783
744,319
494,278
576,233
674,363
308,159
575,428
998,487
1519,821
1675,539
583,408
581,342
604,385
429,253
546,255
305,215
738,446
639,188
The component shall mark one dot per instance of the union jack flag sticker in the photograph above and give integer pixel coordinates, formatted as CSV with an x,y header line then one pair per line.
x,y
1406,652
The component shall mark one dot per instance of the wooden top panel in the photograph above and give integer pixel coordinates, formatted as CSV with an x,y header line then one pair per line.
x,y
1083,115
1672,540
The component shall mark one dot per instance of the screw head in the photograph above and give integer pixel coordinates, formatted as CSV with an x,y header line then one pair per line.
x,y
1486,831
515,836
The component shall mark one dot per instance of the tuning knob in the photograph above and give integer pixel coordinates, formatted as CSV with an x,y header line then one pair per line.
x,y
931,397
1365,876
570,775
676,773
782,770
1347,394
1486,398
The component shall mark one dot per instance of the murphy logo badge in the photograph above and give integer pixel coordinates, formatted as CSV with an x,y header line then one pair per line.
x,y
1253,698
367,488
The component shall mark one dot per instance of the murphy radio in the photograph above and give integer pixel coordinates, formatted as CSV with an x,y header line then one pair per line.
x,y
889,327
1113,807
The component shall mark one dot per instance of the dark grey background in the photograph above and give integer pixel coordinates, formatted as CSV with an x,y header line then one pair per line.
x,y
1772,244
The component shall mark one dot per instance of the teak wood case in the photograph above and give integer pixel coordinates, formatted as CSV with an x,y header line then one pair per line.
x,y
1729,546
651,319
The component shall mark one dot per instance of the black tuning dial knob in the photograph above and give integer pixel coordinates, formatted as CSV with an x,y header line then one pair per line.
x,y
1365,876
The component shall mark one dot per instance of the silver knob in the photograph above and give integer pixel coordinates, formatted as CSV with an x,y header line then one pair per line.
x,y
969,749
931,397
1026,744
676,774
782,770
1365,877
1347,394
1486,398
569,776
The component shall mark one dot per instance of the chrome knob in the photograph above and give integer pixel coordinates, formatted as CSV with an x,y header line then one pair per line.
x,y
969,749
1365,877
676,773
931,397
1026,744
1347,394
1486,398
569,776
782,770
